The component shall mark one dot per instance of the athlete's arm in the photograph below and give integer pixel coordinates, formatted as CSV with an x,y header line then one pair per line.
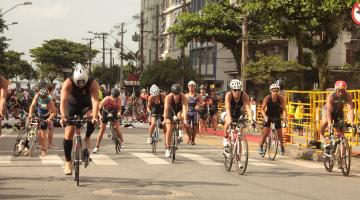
x,y
246,101
52,109
3,94
65,92
350,107
264,107
150,103
119,106
94,91
227,103
166,106
101,105
329,109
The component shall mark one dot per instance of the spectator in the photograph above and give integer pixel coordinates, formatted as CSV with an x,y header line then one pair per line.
x,y
299,112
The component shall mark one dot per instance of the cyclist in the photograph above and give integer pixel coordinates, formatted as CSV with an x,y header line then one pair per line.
x,y
203,105
4,83
79,95
175,104
46,112
110,104
155,107
235,100
334,114
272,107
192,115
215,100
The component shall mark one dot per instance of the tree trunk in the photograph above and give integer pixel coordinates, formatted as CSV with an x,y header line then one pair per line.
x,y
321,63
236,52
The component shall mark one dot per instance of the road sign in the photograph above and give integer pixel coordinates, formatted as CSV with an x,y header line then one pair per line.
x,y
355,13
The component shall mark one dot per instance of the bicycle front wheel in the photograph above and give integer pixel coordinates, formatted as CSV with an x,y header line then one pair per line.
x,y
117,145
328,160
173,145
17,147
154,139
33,142
77,164
273,145
345,158
241,155
228,157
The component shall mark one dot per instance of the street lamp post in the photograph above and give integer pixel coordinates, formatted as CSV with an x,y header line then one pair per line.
x,y
13,23
20,4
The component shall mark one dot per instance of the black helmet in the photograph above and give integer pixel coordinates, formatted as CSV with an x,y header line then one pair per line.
x,y
175,88
115,92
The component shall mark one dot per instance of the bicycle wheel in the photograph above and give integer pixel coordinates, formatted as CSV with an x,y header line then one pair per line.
x,y
328,161
266,145
17,147
241,155
173,145
345,158
273,145
154,139
33,141
77,163
228,157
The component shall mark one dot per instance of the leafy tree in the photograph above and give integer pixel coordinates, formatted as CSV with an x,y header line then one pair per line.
x,y
316,25
49,72
269,68
167,72
3,46
106,75
61,53
14,66
217,21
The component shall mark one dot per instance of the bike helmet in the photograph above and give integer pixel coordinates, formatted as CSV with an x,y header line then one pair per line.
x,y
175,88
192,83
340,85
274,86
115,92
154,90
235,84
43,93
81,75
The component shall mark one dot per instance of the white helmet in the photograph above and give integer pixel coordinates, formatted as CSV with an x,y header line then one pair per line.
x,y
274,86
235,84
81,75
154,90
191,83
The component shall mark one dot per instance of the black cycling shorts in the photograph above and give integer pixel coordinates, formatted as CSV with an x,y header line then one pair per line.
x,y
77,110
192,116
276,121
338,119
202,113
43,125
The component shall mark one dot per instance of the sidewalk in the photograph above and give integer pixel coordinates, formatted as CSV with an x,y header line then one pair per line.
x,y
294,150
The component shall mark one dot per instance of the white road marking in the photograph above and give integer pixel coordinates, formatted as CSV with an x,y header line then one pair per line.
x,y
150,158
5,159
102,159
307,164
199,159
51,159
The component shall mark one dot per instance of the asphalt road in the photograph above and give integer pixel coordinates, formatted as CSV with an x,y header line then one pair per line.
x,y
136,173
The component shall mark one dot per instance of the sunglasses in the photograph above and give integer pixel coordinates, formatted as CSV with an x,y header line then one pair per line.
x,y
274,90
237,90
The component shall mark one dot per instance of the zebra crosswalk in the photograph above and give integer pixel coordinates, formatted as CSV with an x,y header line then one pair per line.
x,y
202,157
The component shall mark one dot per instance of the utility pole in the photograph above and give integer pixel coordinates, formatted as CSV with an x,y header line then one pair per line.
x,y
182,51
103,38
90,53
157,34
122,53
111,58
244,50
142,41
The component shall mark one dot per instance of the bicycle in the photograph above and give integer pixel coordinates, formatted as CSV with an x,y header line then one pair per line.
x,y
272,141
113,135
175,134
77,157
337,149
155,137
33,135
238,148
22,141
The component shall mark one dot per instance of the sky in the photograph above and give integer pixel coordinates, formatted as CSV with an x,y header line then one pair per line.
x,y
68,19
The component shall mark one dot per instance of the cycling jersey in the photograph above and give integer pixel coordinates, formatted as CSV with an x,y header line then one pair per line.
x,y
203,108
174,107
42,106
192,114
79,99
214,105
235,107
158,108
112,105
338,103
273,111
